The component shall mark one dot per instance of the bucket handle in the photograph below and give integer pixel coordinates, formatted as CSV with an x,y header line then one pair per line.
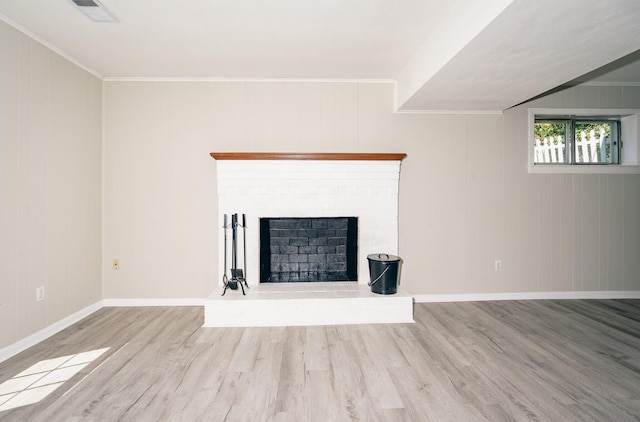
x,y
380,255
371,283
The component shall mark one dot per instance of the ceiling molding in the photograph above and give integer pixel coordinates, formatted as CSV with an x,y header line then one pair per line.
x,y
222,79
50,46
451,112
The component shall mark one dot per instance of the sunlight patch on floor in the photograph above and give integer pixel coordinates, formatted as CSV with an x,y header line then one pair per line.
x,y
41,379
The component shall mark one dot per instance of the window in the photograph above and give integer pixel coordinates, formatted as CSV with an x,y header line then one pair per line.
x,y
570,140
583,141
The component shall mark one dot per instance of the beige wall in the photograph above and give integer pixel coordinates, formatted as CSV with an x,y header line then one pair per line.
x,y
471,201
50,186
466,198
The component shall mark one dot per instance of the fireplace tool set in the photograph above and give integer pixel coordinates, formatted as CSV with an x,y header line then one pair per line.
x,y
237,274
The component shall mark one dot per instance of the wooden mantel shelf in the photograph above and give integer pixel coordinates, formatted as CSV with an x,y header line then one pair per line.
x,y
327,156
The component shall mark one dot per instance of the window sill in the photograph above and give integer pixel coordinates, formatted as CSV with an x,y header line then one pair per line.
x,y
583,169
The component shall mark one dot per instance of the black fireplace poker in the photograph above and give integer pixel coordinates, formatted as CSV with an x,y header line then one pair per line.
x,y
237,274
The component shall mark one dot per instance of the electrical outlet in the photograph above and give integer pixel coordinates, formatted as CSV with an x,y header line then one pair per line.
x,y
497,265
40,294
116,264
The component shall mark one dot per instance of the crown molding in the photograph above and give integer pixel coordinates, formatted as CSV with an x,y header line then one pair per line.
x,y
451,112
226,79
48,45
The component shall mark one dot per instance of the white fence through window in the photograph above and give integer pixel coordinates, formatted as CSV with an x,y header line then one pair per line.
x,y
589,149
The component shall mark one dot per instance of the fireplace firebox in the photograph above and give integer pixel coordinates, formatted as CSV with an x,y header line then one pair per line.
x,y
308,249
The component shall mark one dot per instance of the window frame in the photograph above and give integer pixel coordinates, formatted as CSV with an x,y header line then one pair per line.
x,y
570,151
629,157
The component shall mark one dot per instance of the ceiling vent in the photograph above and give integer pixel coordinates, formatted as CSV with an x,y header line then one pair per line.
x,y
95,11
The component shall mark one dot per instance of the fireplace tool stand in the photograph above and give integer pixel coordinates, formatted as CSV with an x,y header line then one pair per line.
x,y
237,274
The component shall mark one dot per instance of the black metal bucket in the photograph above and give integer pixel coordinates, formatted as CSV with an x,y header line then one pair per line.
x,y
384,272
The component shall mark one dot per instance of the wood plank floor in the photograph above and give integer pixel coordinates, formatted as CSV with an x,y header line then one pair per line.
x,y
572,360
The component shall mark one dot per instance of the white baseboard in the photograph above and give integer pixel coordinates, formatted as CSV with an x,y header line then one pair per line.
x,y
22,345
481,297
154,302
33,339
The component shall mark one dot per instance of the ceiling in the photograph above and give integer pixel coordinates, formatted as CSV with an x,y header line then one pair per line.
x,y
444,55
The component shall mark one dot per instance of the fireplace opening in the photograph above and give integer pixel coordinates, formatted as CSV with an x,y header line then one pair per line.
x,y
308,249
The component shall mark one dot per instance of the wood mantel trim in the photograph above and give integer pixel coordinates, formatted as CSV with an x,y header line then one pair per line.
x,y
307,156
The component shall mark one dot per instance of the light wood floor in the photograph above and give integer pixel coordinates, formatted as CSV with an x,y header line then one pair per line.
x,y
517,360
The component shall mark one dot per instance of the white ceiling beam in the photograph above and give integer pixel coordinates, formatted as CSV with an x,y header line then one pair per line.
x,y
528,49
459,22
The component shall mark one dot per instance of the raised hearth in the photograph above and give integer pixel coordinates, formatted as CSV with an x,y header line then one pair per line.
x,y
290,304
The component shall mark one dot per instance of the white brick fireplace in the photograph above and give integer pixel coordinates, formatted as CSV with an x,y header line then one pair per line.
x,y
306,185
